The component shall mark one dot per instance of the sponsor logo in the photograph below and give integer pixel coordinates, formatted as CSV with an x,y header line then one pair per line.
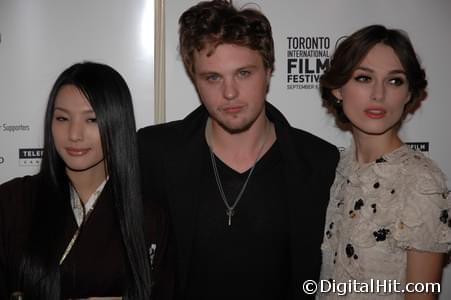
x,y
419,146
29,157
11,128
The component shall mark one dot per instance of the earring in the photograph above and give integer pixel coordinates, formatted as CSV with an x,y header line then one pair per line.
x,y
338,101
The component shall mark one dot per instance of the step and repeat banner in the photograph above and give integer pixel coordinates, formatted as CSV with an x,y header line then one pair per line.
x,y
306,33
40,38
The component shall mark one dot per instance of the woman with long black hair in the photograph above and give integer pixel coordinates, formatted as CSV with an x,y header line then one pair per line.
x,y
79,228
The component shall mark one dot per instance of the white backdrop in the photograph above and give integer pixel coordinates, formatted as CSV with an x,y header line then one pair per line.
x,y
427,23
40,38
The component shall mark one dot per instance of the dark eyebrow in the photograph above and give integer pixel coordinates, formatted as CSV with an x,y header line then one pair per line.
x,y
392,72
67,111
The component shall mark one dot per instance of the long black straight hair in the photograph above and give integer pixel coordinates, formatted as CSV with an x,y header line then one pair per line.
x,y
110,98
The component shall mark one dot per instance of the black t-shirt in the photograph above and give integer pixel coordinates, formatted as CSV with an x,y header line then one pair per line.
x,y
249,259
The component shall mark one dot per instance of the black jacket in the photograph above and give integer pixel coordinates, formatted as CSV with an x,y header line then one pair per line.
x,y
171,165
96,265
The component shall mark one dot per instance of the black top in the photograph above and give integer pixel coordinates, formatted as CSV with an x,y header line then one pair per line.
x,y
174,164
96,264
251,255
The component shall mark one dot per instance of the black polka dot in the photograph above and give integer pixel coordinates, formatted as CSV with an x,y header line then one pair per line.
x,y
444,216
381,234
358,204
380,160
376,185
373,206
349,250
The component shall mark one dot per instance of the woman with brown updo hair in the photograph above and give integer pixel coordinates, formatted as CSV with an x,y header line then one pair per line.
x,y
388,217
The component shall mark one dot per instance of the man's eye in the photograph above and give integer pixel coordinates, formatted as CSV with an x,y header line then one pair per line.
x,y
244,73
213,77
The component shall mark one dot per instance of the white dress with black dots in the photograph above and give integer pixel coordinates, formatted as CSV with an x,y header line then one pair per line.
x,y
376,213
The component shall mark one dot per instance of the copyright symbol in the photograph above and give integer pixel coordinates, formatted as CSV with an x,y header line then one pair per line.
x,y
309,287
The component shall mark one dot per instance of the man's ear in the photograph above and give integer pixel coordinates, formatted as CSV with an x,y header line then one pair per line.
x,y
268,74
268,78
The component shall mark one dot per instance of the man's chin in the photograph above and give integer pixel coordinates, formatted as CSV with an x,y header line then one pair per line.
x,y
235,128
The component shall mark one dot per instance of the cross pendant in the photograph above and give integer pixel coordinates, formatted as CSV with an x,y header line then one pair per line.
x,y
230,213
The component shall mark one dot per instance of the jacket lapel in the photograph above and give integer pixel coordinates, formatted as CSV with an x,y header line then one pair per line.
x,y
189,163
301,202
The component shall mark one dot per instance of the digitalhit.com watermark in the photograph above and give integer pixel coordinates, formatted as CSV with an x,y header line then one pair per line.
x,y
376,286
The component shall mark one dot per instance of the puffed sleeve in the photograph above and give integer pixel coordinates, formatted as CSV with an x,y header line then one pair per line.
x,y
424,217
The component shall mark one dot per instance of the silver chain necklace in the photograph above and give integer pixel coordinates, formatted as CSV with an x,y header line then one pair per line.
x,y
230,209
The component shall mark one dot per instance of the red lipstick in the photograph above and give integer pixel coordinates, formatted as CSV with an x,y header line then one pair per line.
x,y
375,113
